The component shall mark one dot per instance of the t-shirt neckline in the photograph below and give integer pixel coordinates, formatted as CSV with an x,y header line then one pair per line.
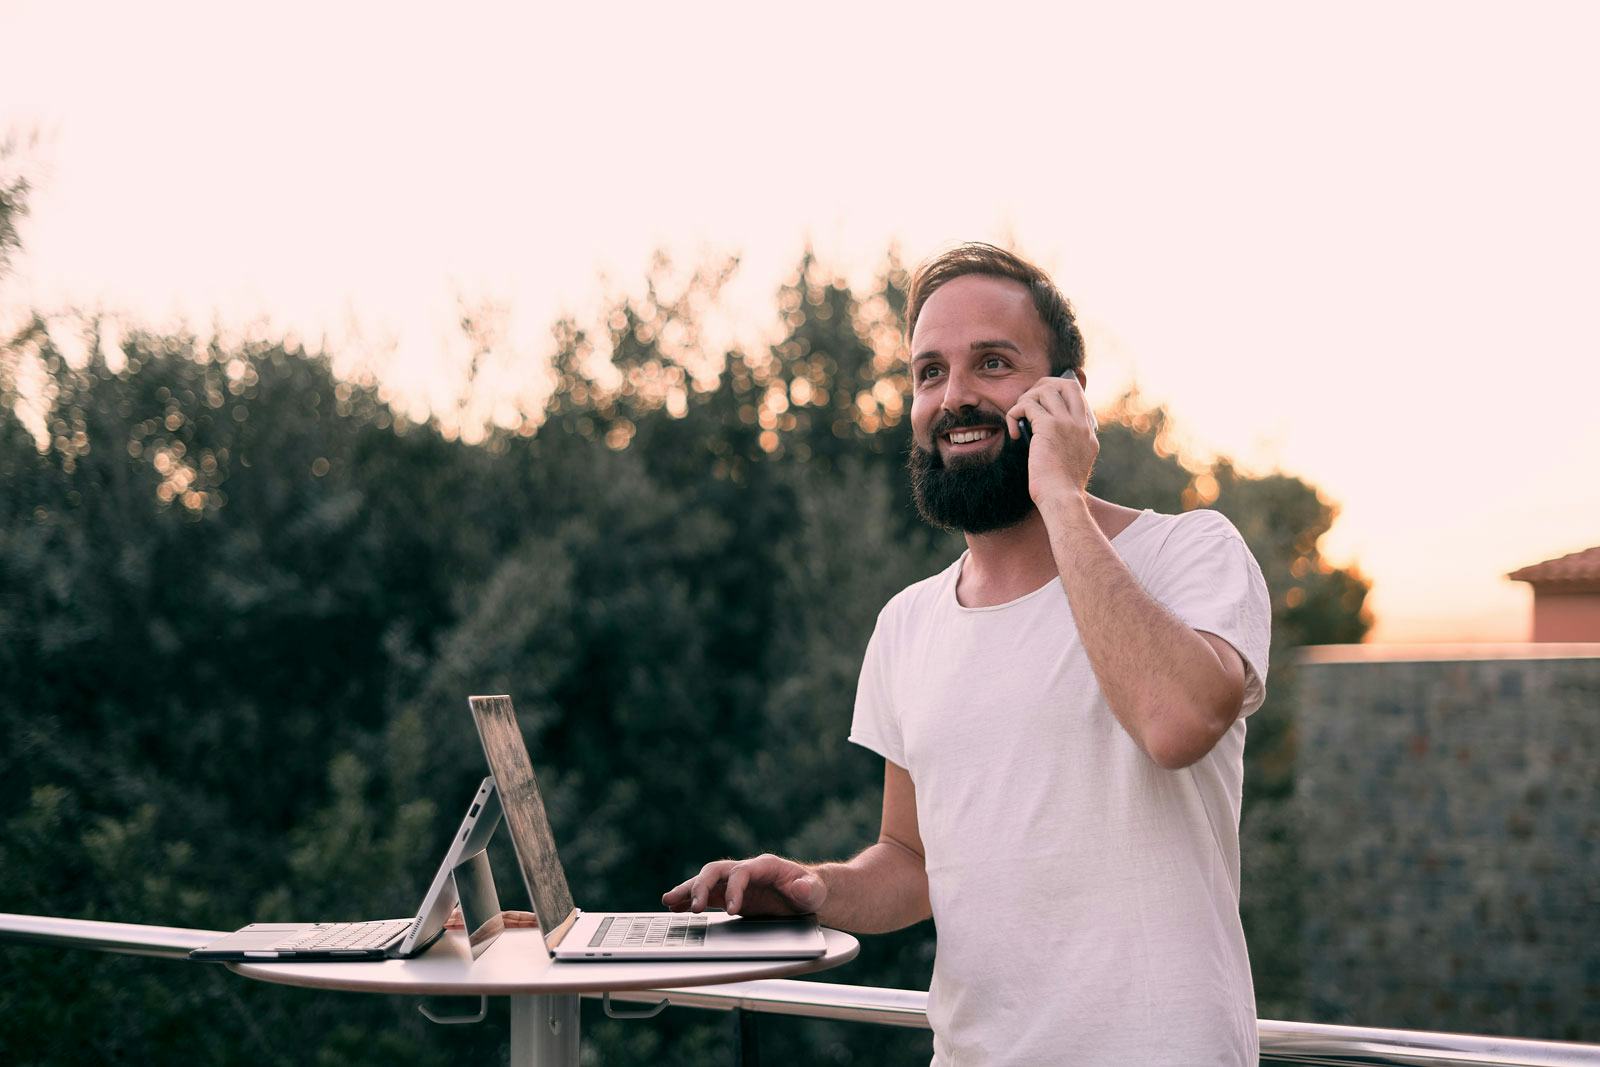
x,y
961,562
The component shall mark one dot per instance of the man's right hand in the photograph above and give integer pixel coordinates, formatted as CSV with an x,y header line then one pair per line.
x,y
759,887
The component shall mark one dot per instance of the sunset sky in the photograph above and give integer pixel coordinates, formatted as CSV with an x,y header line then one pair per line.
x,y
1360,244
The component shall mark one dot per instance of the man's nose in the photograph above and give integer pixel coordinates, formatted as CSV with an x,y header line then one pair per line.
x,y
960,392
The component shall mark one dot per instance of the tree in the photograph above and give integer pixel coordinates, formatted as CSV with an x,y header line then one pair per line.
x,y
14,190
244,602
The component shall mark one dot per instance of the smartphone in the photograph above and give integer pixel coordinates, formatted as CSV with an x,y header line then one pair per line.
x,y
1025,432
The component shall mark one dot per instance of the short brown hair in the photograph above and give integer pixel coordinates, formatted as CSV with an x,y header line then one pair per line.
x,y
975,257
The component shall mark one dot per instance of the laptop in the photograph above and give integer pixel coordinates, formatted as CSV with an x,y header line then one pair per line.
x,y
595,937
462,876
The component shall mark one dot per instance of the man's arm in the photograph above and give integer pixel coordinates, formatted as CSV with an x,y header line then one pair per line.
x,y
884,887
1175,690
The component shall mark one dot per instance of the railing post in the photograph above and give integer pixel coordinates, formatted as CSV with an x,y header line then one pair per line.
x,y
747,1046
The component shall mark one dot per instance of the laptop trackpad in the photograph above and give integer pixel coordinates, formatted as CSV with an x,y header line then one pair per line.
x,y
780,933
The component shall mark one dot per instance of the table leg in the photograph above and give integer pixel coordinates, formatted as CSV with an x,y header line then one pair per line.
x,y
544,1031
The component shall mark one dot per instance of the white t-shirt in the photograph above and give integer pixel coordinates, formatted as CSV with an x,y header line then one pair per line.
x,y
1086,900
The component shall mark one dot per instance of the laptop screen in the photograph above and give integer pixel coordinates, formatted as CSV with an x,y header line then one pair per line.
x,y
524,813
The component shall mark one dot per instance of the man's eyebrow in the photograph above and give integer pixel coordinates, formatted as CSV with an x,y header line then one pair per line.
x,y
979,346
976,346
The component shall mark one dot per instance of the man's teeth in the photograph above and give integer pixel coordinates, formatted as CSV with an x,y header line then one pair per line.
x,y
963,437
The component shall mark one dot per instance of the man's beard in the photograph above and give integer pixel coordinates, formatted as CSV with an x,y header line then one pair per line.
x,y
975,495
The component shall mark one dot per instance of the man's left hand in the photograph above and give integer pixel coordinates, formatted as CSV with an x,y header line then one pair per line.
x,y
1064,445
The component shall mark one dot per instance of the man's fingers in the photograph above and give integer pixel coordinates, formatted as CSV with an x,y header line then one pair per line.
x,y
703,891
723,882
738,878
762,885
1052,397
1049,394
805,892
681,896
1026,407
764,873
677,898
773,885
1070,392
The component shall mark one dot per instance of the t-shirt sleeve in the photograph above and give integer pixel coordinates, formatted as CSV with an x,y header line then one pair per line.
x,y
876,723
1206,576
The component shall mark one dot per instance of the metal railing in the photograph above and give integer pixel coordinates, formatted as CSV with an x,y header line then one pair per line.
x,y
1281,1042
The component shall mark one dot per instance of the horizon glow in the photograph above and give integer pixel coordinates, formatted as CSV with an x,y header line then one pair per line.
x,y
1358,247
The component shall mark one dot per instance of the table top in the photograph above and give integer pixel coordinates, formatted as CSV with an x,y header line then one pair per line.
x,y
518,963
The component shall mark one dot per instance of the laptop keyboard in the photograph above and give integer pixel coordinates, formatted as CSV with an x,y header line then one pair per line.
x,y
641,931
348,937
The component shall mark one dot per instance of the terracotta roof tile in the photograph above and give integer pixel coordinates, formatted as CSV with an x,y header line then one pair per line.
x,y
1581,566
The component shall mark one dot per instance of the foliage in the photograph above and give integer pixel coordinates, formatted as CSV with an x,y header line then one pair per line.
x,y
243,602
13,202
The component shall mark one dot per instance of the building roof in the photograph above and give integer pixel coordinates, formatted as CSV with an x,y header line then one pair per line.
x,y
1574,567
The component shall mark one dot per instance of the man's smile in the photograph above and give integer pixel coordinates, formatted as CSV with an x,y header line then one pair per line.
x,y
969,440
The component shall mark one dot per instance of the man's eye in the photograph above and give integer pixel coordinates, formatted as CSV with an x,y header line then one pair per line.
x,y
994,359
926,371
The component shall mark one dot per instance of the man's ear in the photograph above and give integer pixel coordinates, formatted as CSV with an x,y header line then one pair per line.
x,y
1083,379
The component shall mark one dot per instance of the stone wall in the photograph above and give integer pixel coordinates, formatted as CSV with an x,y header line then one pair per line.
x,y
1449,809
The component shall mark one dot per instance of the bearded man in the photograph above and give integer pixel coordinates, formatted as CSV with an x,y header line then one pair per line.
x,y
1061,714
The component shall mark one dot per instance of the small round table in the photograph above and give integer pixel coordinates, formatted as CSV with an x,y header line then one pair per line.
x,y
543,992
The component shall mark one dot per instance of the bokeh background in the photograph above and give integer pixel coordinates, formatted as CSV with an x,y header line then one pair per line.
x,y
357,359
